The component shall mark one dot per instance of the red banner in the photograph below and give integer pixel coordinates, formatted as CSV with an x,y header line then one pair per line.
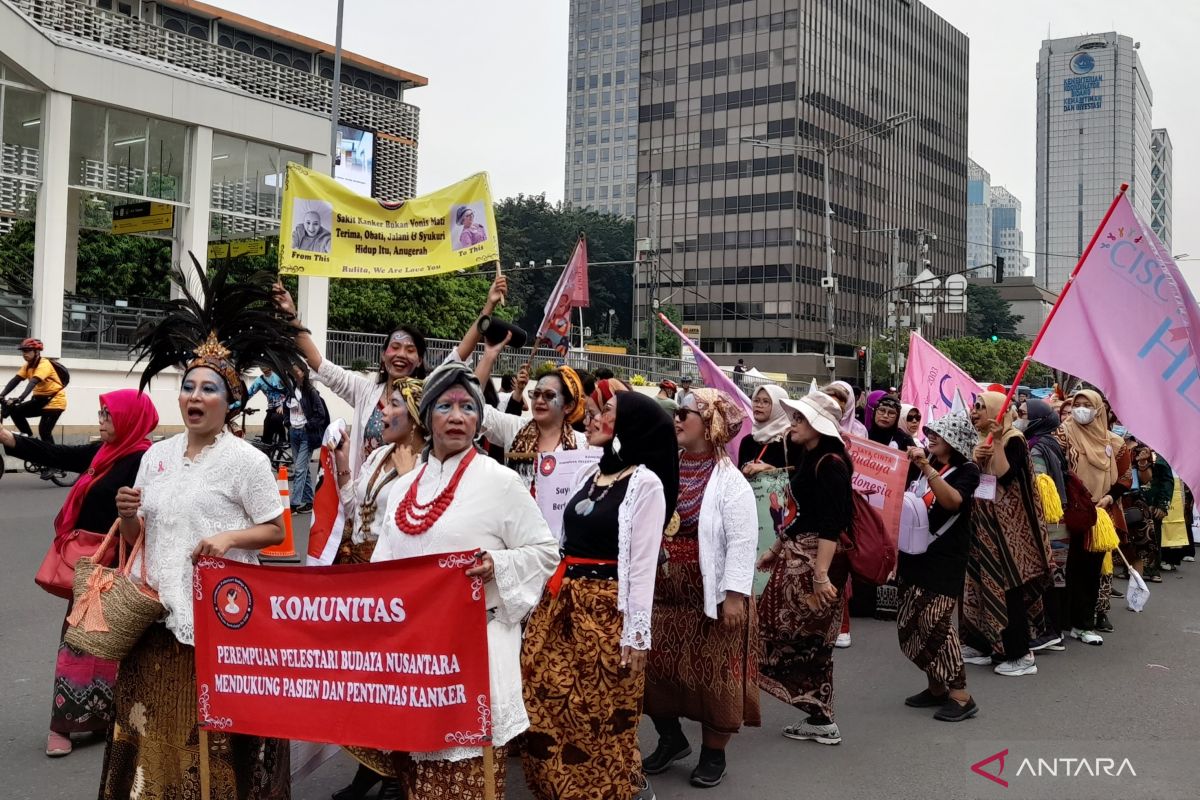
x,y
881,475
390,655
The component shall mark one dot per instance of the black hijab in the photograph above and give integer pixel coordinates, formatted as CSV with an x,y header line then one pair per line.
x,y
1039,432
886,436
644,434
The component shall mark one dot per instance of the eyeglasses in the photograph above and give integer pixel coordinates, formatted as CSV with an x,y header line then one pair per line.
x,y
103,414
913,417
681,413
888,411
549,395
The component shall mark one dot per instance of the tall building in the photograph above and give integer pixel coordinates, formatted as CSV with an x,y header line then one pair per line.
x,y
1006,237
602,89
738,227
979,215
1161,159
1093,134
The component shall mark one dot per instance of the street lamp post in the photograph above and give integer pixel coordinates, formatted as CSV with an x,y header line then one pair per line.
x,y
612,315
829,282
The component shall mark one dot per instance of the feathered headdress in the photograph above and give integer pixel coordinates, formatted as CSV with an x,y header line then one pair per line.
x,y
230,328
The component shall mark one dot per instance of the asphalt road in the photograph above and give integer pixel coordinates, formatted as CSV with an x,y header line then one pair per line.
x,y
1136,697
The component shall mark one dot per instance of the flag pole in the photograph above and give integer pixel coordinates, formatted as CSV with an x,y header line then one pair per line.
x,y
1012,390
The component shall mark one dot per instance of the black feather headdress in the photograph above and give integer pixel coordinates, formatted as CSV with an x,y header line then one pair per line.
x,y
230,328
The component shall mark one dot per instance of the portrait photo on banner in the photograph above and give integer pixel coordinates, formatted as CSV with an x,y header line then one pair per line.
x,y
468,225
314,225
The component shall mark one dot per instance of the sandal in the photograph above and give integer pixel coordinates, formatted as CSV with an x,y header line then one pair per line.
x,y
58,745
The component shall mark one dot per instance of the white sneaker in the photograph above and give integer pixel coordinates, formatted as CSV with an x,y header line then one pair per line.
x,y
1190,559
973,656
843,640
1087,637
1021,666
806,731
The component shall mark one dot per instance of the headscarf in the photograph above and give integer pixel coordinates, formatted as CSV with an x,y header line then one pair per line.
x,y
644,434
412,389
992,403
869,409
605,389
721,416
448,375
877,433
1097,447
775,429
848,411
133,418
574,386
1043,421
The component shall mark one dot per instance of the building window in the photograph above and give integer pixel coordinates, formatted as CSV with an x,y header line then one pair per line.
x,y
118,151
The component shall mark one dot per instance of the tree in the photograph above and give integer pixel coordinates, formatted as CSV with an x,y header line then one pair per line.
x,y
667,344
988,314
992,362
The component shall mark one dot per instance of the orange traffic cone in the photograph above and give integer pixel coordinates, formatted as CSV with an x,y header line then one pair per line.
x,y
286,550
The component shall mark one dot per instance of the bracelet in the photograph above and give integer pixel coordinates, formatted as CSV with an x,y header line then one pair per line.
x,y
819,581
343,473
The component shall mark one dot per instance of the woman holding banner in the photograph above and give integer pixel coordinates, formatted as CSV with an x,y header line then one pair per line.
x,y
704,663
461,500
800,610
1009,564
586,644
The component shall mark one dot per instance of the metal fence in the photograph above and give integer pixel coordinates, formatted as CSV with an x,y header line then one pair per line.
x,y
15,311
99,330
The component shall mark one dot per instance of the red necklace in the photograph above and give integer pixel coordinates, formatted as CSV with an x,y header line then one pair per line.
x,y
415,518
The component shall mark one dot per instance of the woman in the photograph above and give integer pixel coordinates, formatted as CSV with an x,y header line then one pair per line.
x,y
1009,563
602,391
83,684
844,394
800,611
307,419
403,356
885,426
558,404
585,648
1150,492
911,420
1102,463
766,448
705,658
1038,421
200,481
461,500
470,232
931,583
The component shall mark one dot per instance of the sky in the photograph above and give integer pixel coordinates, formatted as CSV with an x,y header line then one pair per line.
x,y
496,98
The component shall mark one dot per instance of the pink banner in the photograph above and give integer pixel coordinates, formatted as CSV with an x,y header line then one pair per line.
x,y
880,475
715,378
931,379
1129,325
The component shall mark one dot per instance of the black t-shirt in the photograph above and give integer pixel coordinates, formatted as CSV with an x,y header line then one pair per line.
x,y
777,454
943,566
594,535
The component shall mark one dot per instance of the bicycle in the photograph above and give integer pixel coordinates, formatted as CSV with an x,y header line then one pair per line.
x,y
279,453
56,476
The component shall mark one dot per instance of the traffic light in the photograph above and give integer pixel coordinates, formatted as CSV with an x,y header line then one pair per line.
x,y
862,358
999,265
995,338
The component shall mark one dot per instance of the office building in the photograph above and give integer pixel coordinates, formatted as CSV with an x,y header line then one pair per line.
x,y
1006,237
1026,299
181,110
600,168
1093,134
738,228
1161,159
979,215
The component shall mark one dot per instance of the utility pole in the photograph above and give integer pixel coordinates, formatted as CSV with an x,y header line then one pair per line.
x,y
337,90
654,212
830,282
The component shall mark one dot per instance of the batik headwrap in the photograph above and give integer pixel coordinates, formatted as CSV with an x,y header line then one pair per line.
x,y
525,443
442,379
722,417
605,389
411,389
574,386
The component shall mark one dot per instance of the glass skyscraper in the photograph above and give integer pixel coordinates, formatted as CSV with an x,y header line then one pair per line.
x,y
1161,165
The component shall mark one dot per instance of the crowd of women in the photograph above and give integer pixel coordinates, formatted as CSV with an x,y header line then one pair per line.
x,y
641,600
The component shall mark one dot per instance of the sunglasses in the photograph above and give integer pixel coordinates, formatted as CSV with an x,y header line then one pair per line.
x,y
913,417
549,395
681,413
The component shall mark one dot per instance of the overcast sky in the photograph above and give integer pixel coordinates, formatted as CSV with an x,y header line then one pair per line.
x,y
496,98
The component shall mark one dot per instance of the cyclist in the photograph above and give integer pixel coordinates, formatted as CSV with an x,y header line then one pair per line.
x,y
274,424
49,397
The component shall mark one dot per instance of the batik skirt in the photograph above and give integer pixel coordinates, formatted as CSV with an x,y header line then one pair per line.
x,y
153,751
83,691
928,638
583,706
698,668
437,780
797,639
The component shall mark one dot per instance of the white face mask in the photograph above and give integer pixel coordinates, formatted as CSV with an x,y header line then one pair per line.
x,y
1083,416
1021,424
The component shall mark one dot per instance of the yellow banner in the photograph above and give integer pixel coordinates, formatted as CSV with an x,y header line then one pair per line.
x,y
247,247
218,250
330,231
143,217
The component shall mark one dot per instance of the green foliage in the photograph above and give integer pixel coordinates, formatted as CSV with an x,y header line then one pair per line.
x,y
442,307
989,315
16,257
993,362
667,343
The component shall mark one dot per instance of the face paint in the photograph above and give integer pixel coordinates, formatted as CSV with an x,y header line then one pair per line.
x,y
548,391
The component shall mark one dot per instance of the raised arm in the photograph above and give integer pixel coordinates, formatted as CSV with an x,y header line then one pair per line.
x,y
72,458
496,293
308,348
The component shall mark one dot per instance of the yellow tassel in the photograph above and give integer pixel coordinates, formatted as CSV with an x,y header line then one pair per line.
x,y
1051,503
1104,535
1107,567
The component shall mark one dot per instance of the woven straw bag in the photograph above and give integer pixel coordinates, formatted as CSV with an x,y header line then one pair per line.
x,y
112,609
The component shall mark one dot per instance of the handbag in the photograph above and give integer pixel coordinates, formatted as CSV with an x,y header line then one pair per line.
x,y
57,573
112,609
1080,514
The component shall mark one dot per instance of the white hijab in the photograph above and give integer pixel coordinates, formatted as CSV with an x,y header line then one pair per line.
x,y
776,426
848,423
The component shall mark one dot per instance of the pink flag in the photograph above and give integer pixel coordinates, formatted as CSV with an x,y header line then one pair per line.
x,y
1128,324
931,380
715,378
571,291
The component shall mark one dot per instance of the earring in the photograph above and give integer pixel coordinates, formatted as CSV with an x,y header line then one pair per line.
x,y
616,446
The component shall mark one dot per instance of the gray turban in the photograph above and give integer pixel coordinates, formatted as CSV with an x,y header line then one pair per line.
x,y
448,375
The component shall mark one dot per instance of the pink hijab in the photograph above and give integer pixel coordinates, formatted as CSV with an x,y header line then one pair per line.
x,y
133,418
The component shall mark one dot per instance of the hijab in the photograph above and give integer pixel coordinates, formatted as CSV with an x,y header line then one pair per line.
x,y
644,434
894,435
1043,422
869,409
847,421
1097,447
775,429
133,418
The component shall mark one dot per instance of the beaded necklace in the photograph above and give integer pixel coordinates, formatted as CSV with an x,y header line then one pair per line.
x,y
415,518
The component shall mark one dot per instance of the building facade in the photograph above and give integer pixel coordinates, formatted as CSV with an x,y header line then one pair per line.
x,y
979,215
600,167
1093,134
180,109
1161,163
1006,236
1026,299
